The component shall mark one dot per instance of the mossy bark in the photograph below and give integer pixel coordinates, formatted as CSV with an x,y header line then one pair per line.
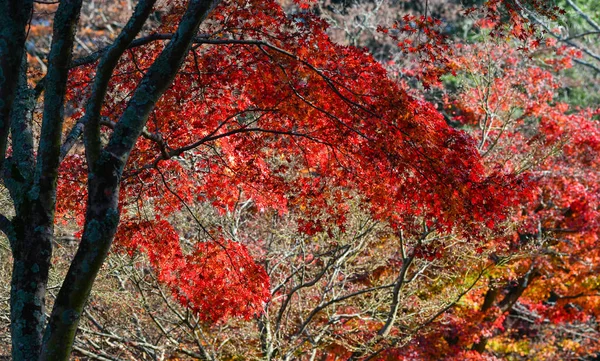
x,y
31,264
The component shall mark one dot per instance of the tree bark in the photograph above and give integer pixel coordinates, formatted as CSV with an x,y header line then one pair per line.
x,y
14,15
31,264
34,196
31,177
30,243
102,218
102,214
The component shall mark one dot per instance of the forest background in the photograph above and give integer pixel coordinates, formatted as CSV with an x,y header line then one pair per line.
x,y
228,273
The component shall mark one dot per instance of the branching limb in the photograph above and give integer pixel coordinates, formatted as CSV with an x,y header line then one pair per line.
x,y
91,120
59,59
156,81
391,319
102,214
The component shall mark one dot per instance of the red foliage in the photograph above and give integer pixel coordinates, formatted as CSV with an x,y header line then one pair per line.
x,y
217,279
289,119
508,103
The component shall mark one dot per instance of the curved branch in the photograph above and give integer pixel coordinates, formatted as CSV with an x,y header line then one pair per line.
x,y
392,314
569,41
91,120
585,16
102,213
156,81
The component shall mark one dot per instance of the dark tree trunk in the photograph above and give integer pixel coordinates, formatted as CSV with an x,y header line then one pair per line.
x,y
102,219
31,263
31,176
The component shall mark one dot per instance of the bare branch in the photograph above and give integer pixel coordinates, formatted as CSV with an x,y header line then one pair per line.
x,y
395,304
585,16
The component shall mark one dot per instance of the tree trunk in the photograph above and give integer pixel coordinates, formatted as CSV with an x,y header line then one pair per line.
x,y
102,219
512,296
31,263
34,192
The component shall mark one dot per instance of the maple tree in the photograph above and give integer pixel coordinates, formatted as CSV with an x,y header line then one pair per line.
x,y
550,281
213,99
238,103
330,292
540,301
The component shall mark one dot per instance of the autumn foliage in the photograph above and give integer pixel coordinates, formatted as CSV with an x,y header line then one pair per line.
x,y
315,202
289,119
540,301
